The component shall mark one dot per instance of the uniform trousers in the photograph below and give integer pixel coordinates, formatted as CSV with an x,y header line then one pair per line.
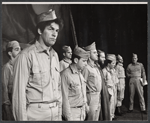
x,y
78,114
113,100
120,91
42,112
135,85
94,106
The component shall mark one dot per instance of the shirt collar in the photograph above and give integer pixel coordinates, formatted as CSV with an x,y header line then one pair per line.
x,y
74,68
136,63
120,64
67,60
41,49
107,68
92,65
11,62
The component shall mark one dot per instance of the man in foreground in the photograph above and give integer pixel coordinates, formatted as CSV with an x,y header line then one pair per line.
x,y
37,87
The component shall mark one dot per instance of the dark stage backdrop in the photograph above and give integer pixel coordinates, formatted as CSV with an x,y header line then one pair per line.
x,y
118,29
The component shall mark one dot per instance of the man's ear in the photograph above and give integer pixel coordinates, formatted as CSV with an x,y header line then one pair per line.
x,y
76,60
10,54
39,31
64,54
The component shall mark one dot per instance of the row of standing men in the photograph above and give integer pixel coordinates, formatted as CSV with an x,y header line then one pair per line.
x,y
35,89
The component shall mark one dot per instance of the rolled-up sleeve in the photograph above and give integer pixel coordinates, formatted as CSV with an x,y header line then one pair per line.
x,y
128,71
143,72
21,76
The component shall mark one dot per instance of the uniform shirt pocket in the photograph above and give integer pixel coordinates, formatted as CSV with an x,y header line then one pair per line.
x,y
74,89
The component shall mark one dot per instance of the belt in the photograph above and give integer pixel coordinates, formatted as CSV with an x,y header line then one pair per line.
x,y
92,92
78,107
135,77
39,105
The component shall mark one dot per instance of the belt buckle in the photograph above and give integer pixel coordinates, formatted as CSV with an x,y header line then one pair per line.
x,y
52,105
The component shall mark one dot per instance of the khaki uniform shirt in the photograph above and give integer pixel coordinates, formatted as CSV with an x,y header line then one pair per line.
x,y
111,78
120,70
93,78
36,79
7,82
64,64
73,90
136,70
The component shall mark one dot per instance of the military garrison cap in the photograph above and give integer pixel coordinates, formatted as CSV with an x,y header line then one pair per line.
x,y
13,44
46,16
66,48
119,57
111,57
90,47
81,52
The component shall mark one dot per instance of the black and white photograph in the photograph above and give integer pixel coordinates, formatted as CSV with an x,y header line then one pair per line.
x,y
74,61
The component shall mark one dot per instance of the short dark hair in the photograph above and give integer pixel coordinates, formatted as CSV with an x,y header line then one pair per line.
x,y
9,49
43,24
108,61
75,56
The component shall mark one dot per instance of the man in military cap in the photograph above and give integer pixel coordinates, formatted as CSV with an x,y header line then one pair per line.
x,y
111,80
105,108
121,85
66,61
37,87
12,50
136,71
93,79
74,87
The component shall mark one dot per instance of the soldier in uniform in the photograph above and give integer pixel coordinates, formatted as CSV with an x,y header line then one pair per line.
x,y
74,104
66,61
93,79
121,85
12,50
37,87
136,71
111,80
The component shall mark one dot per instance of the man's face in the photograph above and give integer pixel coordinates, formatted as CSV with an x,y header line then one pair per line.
x,y
15,51
50,34
134,60
94,55
112,64
121,60
102,58
81,63
68,54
